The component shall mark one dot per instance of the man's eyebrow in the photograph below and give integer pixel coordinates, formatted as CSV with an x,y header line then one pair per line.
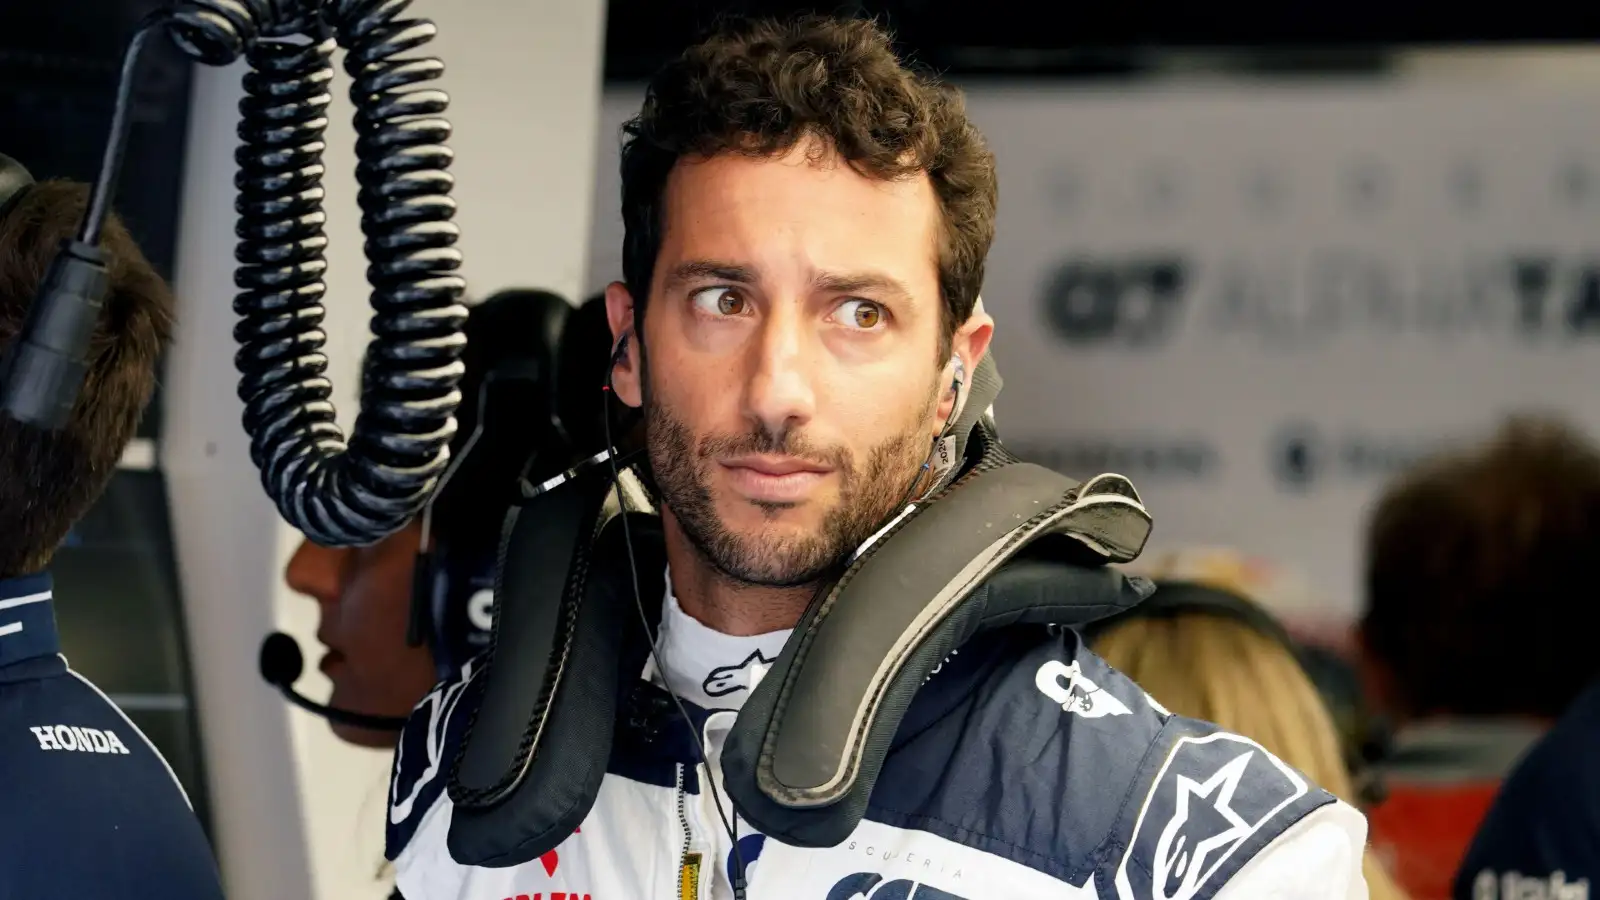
x,y
875,283
862,282
711,269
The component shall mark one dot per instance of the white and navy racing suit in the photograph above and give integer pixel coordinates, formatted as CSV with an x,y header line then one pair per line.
x,y
1025,767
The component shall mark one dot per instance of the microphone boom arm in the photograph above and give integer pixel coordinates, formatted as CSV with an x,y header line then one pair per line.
x,y
281,663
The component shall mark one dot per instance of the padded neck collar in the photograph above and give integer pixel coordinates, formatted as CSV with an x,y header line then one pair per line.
x,y
1004,542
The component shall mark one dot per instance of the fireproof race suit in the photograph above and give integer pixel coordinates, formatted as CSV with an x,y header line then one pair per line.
x,y
1025,767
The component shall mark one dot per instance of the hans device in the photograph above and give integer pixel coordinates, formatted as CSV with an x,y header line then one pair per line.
x,y
806,749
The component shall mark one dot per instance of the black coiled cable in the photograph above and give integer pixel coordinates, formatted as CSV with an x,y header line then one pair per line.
x,y
339,493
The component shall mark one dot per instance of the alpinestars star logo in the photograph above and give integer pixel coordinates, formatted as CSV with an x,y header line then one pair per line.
x,y
724,680
1205,822
1066,684
1213,797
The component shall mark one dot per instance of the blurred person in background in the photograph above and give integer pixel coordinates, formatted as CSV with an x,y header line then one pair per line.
x,y
1475,647
1204,648
91,808
545,362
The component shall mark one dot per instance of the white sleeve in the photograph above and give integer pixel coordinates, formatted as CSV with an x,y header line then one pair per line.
x,y
1318,858
424,870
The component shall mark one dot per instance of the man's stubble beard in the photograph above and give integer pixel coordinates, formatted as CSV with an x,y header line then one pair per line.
x,y
868,494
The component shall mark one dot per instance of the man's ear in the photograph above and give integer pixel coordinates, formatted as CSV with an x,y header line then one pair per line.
x,y
625,369
970,343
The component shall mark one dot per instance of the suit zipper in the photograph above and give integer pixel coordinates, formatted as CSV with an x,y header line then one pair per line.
x,y
688,835
683,816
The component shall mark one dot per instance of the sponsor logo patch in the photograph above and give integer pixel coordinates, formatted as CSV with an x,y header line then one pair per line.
x,y
724,680
79,738
1211,796
1066,684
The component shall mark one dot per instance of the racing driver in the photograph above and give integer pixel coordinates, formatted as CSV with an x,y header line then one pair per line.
x,y
806,227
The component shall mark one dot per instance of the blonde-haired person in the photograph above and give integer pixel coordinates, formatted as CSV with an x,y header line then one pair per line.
x,y
1203,649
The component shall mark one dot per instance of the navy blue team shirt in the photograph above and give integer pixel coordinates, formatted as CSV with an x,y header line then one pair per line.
x,y
90,809
1541,836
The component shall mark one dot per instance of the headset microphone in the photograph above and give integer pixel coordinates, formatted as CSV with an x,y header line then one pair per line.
x,y
281,664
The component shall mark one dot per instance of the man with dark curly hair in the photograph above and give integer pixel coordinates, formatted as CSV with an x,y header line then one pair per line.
x,y
806,227
1473,558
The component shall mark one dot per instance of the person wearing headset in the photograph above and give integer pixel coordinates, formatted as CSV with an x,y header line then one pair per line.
x,y
393,627
806,227
90,809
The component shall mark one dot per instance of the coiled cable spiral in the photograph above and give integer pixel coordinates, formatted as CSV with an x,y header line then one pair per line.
x,y
339,493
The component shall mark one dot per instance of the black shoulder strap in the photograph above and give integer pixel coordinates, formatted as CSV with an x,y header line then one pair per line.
x,y
807,747
567,640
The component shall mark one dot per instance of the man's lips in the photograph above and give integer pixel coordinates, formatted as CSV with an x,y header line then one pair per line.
x,y
774,479
775,465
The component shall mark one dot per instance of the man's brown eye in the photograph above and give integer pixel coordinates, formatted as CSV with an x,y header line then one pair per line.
x,y
862,314
720,301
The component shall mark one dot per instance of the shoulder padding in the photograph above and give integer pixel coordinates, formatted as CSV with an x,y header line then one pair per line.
x,y
1034,711
1206,802
1092,767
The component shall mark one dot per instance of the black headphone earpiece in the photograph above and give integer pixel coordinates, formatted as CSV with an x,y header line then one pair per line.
x,y
431,569
420,627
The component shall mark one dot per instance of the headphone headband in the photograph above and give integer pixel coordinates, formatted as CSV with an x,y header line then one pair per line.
x,y
1366,743
15,180
1177,598
514,339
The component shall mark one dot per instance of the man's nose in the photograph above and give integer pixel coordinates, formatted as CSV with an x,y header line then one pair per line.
x,y
780,395
317,572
